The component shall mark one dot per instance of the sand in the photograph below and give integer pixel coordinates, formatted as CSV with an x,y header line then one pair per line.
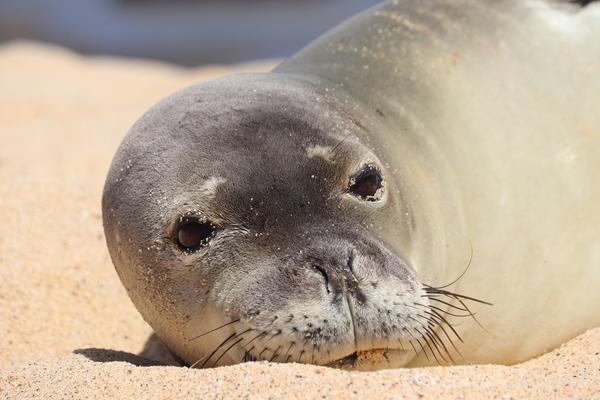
x,y
67,328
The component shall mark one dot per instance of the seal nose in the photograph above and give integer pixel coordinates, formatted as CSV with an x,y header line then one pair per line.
x,y
339,277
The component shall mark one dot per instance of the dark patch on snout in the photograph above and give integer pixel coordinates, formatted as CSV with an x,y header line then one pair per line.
x,y
338,275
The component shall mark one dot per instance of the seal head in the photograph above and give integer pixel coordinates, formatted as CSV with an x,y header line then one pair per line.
x,y
245,225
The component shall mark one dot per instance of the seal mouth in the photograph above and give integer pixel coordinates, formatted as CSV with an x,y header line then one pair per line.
x,y
363,356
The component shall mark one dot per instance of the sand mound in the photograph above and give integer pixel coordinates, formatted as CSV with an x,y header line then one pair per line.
x,y
61,119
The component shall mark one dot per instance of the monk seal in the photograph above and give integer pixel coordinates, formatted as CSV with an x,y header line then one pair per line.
x,y
326,212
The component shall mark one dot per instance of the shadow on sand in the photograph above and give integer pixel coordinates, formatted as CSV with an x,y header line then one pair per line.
x,y
154,353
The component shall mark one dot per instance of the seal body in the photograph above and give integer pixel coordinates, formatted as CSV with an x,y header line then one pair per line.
x,y
336,197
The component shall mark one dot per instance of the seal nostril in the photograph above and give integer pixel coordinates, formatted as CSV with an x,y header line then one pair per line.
x,y
322,271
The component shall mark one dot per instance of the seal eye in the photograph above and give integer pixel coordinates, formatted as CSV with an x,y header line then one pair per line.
x,y
192,235
366,184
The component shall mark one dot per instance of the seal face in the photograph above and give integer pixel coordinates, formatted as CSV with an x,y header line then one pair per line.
x,y
242,230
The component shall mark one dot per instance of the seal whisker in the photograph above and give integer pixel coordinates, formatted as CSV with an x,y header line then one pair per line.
x,y
460,300
423,348
417,340
231,337
429,321
456,295
434,343
441,341
444,311
275,354
247,357
475,318
435,339
262,351
441,326
432,332
255,337
225,352
462,274
271,337
218,347
468,310
452,314
413,346
449,325
401,345
215,329
301,355
197,362
434,298
289,348
426,341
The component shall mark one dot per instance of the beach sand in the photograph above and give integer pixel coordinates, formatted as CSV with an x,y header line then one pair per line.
x,y
67,327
